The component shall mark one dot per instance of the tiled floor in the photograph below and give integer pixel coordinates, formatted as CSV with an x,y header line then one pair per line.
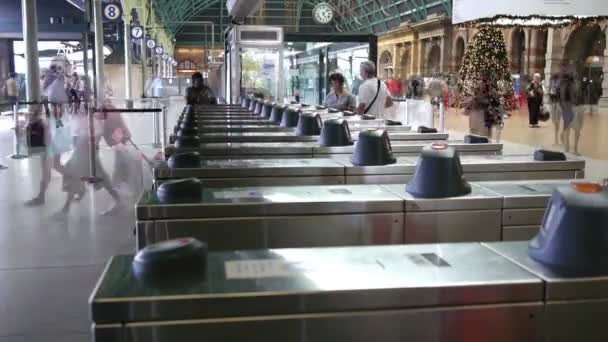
x,y
49,262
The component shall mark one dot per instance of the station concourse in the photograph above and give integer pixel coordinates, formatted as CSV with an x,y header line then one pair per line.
x,y
295,170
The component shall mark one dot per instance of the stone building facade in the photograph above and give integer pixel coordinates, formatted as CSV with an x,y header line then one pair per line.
x,y
435,47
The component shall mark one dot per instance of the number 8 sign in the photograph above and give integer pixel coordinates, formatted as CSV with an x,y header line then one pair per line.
x,y
112,11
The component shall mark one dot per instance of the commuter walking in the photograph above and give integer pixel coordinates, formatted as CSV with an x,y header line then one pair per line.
x,y
572,104
556,111
11,89
114,131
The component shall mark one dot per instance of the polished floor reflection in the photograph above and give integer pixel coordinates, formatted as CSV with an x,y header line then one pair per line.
x,y
593,140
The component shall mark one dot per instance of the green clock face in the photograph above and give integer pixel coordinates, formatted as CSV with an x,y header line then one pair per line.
x,y
323,13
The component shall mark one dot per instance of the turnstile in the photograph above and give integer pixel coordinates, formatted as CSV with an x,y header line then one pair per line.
x,y
269,172
313,149
576,305
423,293
292,216
270,128
293,137
332,215
523,207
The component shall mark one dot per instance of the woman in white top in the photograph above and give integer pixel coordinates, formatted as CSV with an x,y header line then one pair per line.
x,y
373,94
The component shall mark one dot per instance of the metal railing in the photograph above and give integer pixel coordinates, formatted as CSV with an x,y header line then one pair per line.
x,y
158,107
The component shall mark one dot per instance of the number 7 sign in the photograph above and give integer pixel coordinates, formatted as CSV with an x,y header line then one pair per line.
x,y
137,32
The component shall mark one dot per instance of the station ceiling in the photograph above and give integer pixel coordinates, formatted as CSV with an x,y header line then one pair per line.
x,y
362,16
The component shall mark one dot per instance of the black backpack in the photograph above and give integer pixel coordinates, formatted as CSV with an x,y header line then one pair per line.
x,y
35,133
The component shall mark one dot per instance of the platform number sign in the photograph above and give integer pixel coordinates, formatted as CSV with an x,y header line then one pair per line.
x,y
151,43
112,11
137,32
159,50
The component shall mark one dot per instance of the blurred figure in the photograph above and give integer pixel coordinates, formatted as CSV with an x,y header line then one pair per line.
x,y
199,93
484,110
54,86
394,86
554,98
567,98
535,100
56,142
111,127
338,97
73,87
374,98
11,88
572,107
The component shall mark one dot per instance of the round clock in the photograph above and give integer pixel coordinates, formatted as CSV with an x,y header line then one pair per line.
x,y
323,13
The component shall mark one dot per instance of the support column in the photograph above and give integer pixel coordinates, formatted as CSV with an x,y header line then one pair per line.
x,y
412,53
442,48
144,54
395,59
30,37
551,64
420,57
526,66
604,99
128,88
98,24
533,53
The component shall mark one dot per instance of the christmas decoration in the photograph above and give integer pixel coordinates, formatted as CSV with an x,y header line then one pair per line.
x,y
484,78
534,21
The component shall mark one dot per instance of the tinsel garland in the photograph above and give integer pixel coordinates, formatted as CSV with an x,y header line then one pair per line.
x,y
568,20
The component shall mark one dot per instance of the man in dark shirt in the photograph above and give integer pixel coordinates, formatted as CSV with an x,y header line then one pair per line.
x,y
199,93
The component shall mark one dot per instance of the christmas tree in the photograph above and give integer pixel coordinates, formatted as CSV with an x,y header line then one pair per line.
x,y
484,78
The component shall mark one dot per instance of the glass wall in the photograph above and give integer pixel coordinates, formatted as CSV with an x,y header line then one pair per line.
x,y
307,66
259,70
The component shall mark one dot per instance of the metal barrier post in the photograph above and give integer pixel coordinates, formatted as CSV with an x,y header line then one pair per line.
x,y
407,112
92,148
441,115
17,142
155,125
163,128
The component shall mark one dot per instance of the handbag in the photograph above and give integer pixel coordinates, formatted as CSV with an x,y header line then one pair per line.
x,y
544,114
35,133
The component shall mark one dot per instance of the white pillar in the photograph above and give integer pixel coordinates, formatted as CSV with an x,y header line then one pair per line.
x,y
144,58
30,37
128,88
548,62
98,25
